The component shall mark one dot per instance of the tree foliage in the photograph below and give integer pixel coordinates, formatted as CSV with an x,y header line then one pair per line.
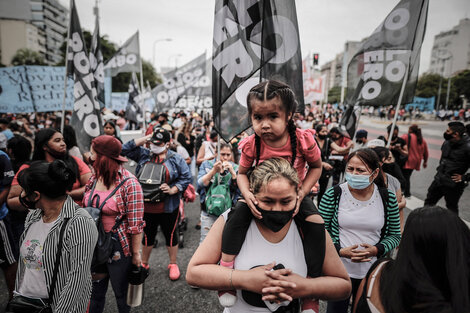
x,y
27,57
334,94
428,86
121,81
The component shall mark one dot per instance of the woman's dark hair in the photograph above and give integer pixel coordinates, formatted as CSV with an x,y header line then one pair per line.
x,y
319,127
42,138
414,129
381,152
268,90
51,179
371,160
110,123
432,269
20,149
336,130
69,137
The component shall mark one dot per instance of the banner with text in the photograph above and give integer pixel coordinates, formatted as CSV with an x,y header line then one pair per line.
x,y
86,116
32,88
253,41
188,80
127,59
422,104
376,73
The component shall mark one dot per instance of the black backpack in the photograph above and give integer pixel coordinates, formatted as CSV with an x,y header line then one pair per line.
x,y
151,176
104,245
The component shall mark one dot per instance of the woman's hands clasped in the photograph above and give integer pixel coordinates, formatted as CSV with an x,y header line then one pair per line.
x,y
274,285
356,254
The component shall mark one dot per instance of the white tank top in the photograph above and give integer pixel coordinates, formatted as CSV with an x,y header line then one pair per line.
x,y
256,250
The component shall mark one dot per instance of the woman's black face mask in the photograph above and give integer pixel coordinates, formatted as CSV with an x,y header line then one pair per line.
x,y
27,203
276,220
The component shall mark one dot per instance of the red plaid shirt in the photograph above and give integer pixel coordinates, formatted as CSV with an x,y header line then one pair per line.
x,y
130,202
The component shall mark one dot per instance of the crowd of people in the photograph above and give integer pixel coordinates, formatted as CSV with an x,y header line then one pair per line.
x,y
264,244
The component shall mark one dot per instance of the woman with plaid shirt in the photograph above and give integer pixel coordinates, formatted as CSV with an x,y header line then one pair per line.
x,y
126,204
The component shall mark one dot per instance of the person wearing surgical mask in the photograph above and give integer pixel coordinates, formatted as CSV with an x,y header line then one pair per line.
x,y
177,177
270,271
362,218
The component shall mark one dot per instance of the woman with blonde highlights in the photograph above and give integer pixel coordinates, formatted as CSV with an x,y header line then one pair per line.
x,y
261,284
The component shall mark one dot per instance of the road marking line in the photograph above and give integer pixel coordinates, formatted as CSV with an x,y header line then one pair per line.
x,y
413,203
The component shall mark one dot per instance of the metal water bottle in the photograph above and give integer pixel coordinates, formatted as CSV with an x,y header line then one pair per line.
x,y
135,291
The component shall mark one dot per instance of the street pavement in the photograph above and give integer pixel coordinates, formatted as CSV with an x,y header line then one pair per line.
x,y
163,295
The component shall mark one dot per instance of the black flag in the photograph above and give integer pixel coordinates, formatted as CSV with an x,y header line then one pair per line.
x,y
350,119
86,117
253,41
133,110
377,71
96,62
126,59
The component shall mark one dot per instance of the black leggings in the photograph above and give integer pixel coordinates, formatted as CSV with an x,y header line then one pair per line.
x,y
168,223
312,234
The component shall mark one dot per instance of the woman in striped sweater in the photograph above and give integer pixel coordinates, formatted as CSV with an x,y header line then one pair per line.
x,y
45,187
362,218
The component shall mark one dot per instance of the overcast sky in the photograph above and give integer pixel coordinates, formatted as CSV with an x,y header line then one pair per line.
x,y
325,25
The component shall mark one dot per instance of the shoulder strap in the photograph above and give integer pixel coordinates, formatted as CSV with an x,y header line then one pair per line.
x,y
57,259
374,275
113,192
337,191
90,198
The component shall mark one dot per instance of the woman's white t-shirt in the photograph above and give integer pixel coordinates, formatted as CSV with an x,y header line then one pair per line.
x,y
359,222
33,284
256,251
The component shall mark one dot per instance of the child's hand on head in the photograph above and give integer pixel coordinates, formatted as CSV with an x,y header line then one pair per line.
x,y
252,202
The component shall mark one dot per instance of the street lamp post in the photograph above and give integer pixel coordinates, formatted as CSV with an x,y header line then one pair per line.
x,y
443,55
153,51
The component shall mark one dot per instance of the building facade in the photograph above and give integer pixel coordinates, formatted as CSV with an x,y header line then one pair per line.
x,y
451,50
38,25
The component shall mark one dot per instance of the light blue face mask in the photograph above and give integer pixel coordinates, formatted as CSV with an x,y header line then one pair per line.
x,y
358,181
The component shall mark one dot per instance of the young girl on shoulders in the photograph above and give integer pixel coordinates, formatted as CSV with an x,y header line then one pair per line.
x,y
271,106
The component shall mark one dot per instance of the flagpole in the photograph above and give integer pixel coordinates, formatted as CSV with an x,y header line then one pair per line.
x,y
62,122
400,97
141,86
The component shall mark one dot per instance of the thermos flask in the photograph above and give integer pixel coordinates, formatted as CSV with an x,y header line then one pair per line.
x,y
135,291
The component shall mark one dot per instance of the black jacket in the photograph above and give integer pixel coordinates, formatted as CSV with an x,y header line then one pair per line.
x,y
455,159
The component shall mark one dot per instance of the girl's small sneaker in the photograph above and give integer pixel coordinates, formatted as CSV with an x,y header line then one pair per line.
x,y
310,306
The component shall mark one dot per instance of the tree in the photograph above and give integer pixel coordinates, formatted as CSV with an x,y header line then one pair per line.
x,y
27,57
334,95
121,81
428,86
461,83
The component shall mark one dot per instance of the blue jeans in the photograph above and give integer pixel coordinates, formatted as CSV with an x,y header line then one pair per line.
x,y
206,223
117,268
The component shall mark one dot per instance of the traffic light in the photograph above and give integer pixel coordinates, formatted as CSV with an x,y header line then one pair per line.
x,y
315,59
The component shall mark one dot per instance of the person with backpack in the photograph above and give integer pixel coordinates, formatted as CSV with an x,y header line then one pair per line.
x,y
217,187
361,216
163,175
118,195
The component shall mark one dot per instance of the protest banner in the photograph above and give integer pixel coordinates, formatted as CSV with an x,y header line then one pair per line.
x,y
188,80
253,41
33,88
86,117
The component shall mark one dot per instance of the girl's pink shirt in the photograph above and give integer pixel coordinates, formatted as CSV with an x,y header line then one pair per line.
x,y
307,151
